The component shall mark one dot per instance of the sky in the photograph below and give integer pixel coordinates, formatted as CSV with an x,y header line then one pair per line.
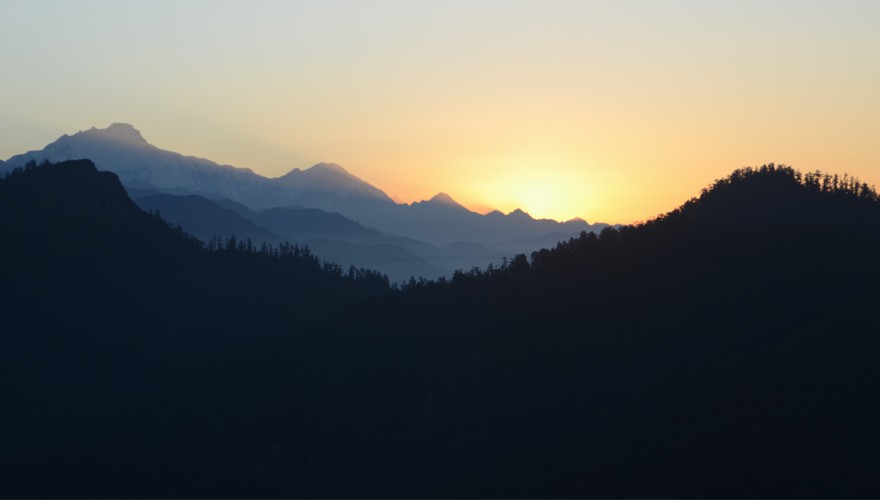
x,y
612,111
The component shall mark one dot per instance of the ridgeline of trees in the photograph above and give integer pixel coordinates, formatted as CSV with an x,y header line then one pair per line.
x,y
727,348
108,314
754,199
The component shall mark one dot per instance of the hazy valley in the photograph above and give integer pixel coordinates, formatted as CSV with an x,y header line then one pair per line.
x,y
341,217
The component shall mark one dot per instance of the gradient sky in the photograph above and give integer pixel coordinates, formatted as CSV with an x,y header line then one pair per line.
x,y
614,111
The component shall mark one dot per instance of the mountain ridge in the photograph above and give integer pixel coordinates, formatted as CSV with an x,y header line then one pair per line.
x,y
329,235
122,149
122,132
206,220
445,199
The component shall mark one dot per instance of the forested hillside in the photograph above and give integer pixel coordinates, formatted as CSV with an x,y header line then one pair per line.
x,y
107,312
726,349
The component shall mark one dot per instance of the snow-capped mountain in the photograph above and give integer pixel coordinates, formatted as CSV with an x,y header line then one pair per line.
x,y
442,220
144,168
121,149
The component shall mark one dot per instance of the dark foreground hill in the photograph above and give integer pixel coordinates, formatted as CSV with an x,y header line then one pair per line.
x,y
727,349
72,238
106,312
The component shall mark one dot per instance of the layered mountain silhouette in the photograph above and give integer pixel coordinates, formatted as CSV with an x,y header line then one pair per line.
x,y
725,349
120,148
66,219
144,168
204,219
329,235
107,313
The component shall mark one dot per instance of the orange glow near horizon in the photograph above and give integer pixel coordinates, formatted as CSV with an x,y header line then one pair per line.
x,y
607,111
540,195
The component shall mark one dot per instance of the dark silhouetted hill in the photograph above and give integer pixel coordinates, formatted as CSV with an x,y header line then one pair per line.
x,y
108,314
726,349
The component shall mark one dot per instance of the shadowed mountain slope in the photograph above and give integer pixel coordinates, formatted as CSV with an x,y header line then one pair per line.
x,y
66,217
204,219
726,349
309,223
107,312
329,236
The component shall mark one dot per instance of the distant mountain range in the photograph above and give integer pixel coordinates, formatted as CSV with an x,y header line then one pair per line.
x,y
329,235
120,148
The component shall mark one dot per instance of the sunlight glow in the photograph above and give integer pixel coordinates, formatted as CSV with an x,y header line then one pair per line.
x,y
540,190
612,111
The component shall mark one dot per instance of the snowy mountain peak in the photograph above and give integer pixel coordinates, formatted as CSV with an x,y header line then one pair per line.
x,y
317,169
444,199
332,167
117,132
519,214
326,185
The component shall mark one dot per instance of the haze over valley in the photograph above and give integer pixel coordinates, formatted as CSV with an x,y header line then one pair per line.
x,y
339,216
